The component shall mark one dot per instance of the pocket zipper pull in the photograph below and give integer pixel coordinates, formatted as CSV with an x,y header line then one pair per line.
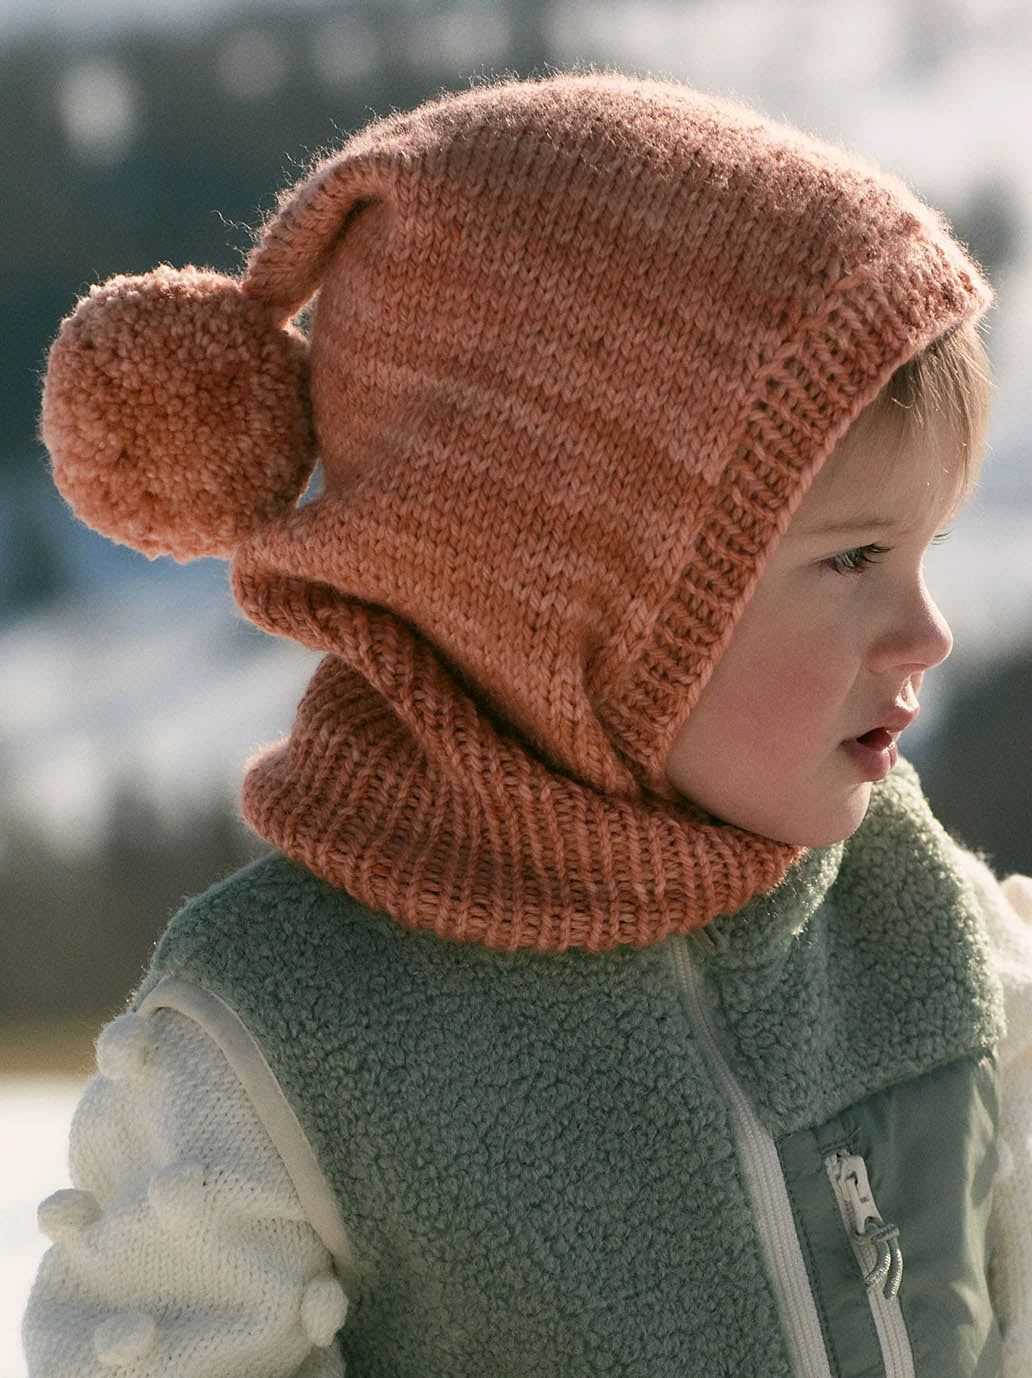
x,y
867,1224
856,1188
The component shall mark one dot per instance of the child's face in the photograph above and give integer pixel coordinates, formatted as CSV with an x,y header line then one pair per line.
x,y
823,670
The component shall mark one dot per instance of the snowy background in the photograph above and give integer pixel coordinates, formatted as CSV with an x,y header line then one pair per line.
x,y
143,671
34,1119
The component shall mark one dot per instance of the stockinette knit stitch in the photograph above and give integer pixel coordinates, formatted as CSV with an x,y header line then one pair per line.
x,y
579,347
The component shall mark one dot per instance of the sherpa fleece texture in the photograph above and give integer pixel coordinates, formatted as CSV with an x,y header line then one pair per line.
x,y
165,1091
883,973
535,1167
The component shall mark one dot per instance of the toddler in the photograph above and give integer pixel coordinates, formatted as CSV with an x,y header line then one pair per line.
x,y
610,1002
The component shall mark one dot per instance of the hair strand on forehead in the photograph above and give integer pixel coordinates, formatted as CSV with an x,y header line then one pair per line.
x,y
947,384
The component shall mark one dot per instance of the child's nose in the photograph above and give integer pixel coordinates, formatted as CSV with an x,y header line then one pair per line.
x,y
918,637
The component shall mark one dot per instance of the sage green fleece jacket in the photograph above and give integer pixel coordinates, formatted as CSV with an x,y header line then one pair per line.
x,y
545,1164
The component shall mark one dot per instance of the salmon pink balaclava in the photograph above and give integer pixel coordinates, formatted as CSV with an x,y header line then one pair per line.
x,y
577,348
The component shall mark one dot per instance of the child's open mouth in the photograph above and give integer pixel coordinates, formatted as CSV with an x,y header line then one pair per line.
x,y
875,753
879,739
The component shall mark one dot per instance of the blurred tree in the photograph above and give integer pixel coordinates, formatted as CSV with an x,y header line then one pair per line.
x,y
979,784
79,926
31,571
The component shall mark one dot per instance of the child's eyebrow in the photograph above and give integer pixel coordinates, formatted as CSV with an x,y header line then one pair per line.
x,y
847,525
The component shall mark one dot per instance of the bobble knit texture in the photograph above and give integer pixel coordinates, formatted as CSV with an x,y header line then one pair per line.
x,y
182,1248
578,348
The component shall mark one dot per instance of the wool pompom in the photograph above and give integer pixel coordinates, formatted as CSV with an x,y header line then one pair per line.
x,y
176,412
123,1047
124,1339
324,1308
322,1363
64,1215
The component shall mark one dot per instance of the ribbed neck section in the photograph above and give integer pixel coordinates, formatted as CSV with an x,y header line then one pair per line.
x,y
397,788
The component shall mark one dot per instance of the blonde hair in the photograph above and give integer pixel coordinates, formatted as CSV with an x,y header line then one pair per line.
x,y
947,384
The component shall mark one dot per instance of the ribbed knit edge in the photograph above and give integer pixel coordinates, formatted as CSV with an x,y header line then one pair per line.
x,y
805,402
395,787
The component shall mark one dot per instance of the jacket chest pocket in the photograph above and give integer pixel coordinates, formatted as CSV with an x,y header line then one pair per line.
x,y
891,1201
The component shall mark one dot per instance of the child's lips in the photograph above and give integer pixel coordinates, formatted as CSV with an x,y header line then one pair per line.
x,y
899,717
878,739
875,751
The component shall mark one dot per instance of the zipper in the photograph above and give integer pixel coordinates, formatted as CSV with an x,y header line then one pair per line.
x,y
876,1246
766,1188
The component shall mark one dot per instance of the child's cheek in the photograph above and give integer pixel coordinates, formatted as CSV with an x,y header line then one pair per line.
x,y
806,679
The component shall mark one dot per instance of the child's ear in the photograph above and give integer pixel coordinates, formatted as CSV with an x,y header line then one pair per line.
x,y
176,412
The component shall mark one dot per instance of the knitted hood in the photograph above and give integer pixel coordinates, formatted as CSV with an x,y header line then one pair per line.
x,y
578,348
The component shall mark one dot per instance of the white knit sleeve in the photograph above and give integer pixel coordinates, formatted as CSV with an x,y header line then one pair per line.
x,y
182,1248
1008,916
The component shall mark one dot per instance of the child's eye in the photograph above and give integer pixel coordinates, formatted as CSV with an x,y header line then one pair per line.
x,y
854,561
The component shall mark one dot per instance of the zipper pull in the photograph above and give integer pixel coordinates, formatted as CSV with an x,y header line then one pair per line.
x,y
868,1226
856,1189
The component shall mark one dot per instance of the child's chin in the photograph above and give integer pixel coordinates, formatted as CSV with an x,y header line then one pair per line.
x,y
832,822
834,825
814,823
